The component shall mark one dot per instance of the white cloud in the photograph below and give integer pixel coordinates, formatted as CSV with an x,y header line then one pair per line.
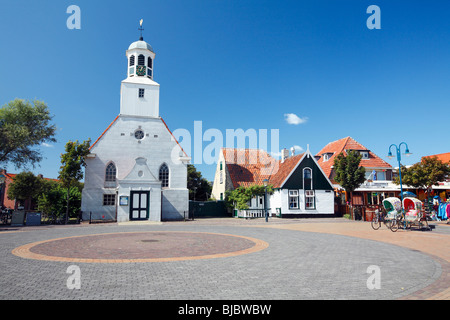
x,y
46,145
298,148
292,118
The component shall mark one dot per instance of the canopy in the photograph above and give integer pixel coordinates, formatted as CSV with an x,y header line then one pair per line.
x,y
412,204
408,194
392,203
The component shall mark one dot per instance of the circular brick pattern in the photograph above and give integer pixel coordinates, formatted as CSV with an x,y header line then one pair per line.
x,y
140,247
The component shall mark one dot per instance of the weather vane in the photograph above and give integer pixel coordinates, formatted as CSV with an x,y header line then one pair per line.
x,y
141,29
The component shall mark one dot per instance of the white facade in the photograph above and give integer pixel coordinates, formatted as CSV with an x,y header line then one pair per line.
x,y
136,170
324,203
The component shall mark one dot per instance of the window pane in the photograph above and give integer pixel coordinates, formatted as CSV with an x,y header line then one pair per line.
x,y
164,176
110,174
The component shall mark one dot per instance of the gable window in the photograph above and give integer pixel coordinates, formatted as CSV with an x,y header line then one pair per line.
x,y
141,93
164,176
293,199
310,199
307,179
110,173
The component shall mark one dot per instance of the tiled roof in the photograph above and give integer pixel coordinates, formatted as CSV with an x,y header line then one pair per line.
x,y
348,143
444,157
284,170
250,167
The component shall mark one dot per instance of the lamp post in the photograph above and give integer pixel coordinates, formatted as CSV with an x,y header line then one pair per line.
x,y
265,199
399,159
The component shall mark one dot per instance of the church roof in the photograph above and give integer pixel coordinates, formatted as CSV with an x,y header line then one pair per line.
x,y
140,45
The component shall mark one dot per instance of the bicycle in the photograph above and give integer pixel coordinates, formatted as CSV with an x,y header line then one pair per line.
x,y
398,222
378,219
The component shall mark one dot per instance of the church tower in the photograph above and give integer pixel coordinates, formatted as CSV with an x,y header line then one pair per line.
x,y
139,94
136,170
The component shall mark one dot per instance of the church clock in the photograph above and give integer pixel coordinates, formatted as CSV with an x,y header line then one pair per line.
x,y
140,70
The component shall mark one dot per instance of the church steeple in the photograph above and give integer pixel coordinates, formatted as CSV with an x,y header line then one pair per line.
x,y
140,57
139,92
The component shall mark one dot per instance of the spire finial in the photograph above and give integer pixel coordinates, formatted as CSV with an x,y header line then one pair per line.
x,y
141,29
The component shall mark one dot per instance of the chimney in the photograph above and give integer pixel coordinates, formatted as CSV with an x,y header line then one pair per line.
x,y
284,154
292,151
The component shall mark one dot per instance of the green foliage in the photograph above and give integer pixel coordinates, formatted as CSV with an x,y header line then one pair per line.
x,y
71,170
23,127
425,174
348,172
25,186
53,201
240,197
199,187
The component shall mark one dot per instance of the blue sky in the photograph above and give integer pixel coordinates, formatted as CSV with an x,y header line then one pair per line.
x,y
240,64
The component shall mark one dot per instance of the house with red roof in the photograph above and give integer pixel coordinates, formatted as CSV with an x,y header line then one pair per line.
x,y
379,173
443,188
301,188
6,179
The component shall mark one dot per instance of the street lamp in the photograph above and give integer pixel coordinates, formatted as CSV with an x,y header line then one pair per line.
x,y
266,182
399,159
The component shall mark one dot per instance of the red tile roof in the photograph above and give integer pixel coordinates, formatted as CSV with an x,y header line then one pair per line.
x,y
444,157
250,167
348,143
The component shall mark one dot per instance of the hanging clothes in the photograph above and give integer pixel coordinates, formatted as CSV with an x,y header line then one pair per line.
x,y
447,211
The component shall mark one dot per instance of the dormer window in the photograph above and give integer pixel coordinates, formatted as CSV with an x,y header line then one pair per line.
x,y
364,155
327,156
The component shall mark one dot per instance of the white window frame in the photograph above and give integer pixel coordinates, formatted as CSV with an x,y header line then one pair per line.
x,y
294,195
310,194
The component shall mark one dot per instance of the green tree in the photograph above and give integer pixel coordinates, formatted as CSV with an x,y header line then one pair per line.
x,y
24,126
71,170
348,172
241,196
424,174
52,200
199,188
25,186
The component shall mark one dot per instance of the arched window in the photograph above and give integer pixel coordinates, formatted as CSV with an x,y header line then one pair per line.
x,y
150,62
307,173
110,173
164,175
141,60
131,61
307,179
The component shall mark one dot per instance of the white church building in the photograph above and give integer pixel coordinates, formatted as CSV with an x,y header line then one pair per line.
x,y
136,170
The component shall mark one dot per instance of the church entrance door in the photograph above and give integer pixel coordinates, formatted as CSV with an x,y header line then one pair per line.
x,y
139,206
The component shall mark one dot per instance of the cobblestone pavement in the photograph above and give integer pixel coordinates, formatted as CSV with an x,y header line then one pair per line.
x,y
304,259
